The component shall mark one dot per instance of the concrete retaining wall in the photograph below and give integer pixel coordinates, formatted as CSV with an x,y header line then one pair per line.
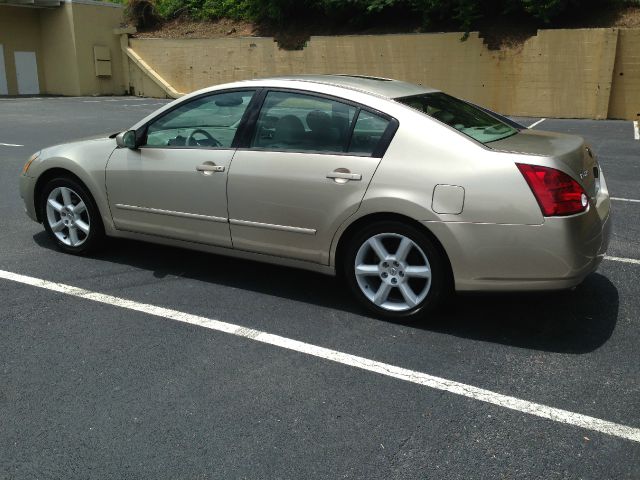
x,y
625,88
583,73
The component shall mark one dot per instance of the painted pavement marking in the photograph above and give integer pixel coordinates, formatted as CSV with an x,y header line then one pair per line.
x,y
362,363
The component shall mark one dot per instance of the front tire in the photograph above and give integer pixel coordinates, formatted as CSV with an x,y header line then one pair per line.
x,y
70,216
395,271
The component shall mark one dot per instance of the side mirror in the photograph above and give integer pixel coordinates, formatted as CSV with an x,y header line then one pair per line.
x,y
127,139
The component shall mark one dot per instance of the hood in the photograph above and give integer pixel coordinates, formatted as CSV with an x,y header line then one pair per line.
x,y
92,151
104,138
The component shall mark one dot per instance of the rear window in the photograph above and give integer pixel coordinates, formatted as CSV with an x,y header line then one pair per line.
x,y
467,118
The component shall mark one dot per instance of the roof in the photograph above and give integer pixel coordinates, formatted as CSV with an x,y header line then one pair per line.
x,y
383,87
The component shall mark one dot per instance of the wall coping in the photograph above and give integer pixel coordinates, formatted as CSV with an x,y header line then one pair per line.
x,y
95,3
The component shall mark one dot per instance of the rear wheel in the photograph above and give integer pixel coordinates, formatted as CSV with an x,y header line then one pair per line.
x,y
395,270
70,216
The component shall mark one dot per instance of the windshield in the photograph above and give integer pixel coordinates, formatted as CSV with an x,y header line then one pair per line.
x,y
469,119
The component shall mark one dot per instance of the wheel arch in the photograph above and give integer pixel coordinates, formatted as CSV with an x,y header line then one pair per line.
x,y
43,179
56,172
356,225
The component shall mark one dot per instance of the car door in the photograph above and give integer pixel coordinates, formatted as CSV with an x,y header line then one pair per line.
x,y
174,184
303,172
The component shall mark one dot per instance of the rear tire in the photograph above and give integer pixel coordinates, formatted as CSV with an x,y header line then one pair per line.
x,y
70,216
395,271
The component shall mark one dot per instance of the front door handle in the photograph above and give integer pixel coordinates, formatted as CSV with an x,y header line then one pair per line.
x,y
344,175
208,168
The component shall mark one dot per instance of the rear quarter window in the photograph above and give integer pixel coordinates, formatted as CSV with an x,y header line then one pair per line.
x,y
367,133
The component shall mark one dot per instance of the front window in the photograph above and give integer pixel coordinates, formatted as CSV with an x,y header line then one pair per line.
x,y
462,116
206,122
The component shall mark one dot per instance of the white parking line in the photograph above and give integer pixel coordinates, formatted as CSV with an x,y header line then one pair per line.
x,y
617,199
536,123
623,260
419,378
636,130
11,145
128,99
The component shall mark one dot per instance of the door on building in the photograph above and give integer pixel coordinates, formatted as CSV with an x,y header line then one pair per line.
x,y
27,73
3,74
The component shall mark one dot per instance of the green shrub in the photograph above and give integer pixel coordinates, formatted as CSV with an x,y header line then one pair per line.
x,y
201,9
280,12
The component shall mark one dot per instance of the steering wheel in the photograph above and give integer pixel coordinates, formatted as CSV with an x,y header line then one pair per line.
x,y
496,129
192,142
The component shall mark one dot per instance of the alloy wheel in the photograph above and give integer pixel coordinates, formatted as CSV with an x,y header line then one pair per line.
x,y
393,272
68,216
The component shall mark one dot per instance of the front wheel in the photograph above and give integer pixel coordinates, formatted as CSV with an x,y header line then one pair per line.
x,y
395,270
70,216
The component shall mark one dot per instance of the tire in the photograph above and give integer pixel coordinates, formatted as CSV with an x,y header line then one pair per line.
x,y
70,216
407,283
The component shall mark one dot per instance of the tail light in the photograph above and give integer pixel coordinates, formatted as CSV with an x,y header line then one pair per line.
x,y
556,192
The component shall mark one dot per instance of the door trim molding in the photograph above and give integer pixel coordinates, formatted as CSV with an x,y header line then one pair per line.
x,y
172,213
270,226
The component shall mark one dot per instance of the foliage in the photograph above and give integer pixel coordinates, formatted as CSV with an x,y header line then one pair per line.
x,y
545,9
279,12
203,9
142,14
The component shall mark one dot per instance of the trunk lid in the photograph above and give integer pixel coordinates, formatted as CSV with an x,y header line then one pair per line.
x,y
568,151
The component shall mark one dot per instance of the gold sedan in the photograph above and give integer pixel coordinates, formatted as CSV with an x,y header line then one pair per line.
x,y
405,191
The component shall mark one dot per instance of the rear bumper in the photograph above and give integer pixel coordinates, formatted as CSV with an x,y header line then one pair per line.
x,y
555,255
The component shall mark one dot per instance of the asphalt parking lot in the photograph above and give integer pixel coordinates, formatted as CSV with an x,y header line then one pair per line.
x,y
493,387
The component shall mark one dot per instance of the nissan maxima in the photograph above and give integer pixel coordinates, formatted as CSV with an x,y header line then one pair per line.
x,y
404,191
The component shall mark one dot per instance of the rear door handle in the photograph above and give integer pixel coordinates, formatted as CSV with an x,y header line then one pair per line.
x,y
344,175
210,168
